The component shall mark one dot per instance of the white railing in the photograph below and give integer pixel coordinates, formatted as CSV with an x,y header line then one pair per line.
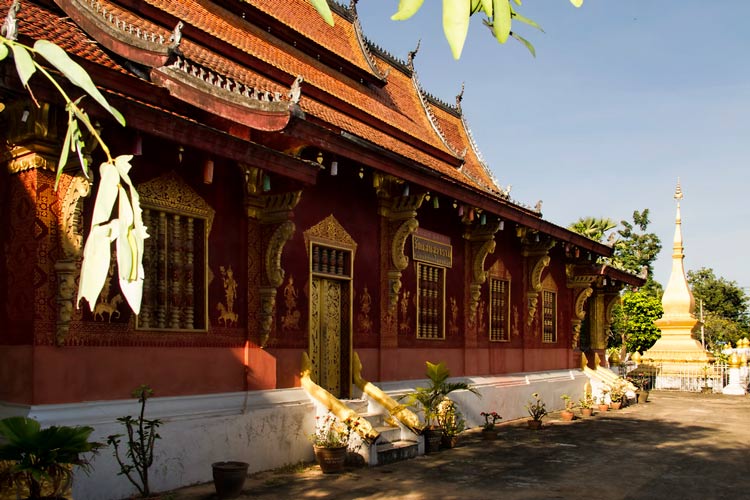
x,y
709,378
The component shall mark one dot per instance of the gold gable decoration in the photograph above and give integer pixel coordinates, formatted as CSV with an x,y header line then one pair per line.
x,y
171,193
330,231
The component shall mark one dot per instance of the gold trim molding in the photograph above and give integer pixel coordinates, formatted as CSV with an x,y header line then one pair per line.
x,y
171,193
329,231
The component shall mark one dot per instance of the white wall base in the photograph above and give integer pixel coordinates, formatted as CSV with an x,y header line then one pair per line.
x,y
267,429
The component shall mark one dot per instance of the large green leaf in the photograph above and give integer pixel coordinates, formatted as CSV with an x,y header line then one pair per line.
x,y
19,430
406,9
24,63
525,20
501,20
525,42
456,15
577,3
324,10
75,73
3,51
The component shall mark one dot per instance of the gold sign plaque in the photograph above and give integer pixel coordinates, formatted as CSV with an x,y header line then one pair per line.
x,y
431,251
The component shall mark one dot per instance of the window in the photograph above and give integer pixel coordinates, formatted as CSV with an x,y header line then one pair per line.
x,y
175,258
430,301
331,261
499,304
549,316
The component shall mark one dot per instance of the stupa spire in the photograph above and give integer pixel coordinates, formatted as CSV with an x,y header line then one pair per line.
x,y
678,299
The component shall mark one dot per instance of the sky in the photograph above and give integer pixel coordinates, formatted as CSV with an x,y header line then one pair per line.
x,y
622,99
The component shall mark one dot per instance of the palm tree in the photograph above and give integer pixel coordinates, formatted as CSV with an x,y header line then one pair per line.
x,y
593,227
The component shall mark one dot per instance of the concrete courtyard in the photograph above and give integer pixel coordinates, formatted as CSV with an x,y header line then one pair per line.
x,y
678,445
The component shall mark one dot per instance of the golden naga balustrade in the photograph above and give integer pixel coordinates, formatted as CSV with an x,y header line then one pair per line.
x,y
334,405
396,410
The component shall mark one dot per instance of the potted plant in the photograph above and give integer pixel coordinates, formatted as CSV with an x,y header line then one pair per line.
x,y
452,422
43,459
567,412
330,442
488,428
642,382
142,434
617,394
603,405
706,388
538,410
427,399
586,404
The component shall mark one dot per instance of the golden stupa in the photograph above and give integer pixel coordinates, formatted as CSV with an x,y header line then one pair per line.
x,y
677,347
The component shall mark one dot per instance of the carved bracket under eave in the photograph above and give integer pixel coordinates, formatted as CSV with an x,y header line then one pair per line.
x,y
272,258
267,307
71,243
579,314
482,244
537,265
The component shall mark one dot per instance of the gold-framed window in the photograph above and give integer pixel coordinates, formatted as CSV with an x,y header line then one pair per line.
x,y
430,301
175,257
549,316
499,310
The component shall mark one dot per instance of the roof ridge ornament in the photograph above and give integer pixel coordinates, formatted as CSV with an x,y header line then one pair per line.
x,y
295,91
460,97
364,46
9,28
176,37
412,54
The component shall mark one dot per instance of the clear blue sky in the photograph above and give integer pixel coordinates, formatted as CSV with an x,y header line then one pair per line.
x,y
622,99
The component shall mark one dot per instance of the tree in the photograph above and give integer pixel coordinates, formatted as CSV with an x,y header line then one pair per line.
x,y
592,227
500,15
633,321
725,307
634,249
721,297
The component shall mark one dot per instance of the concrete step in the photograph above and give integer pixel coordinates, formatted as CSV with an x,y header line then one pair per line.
x,y
396,451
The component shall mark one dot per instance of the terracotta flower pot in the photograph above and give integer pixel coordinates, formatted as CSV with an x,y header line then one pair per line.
x,y
566,415
432,439
331,460
616,405
603,407
587,412
489,434
534,424
448,442
229,478
642,396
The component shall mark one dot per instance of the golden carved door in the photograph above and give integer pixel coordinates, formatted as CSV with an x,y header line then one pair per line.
x,y
329,344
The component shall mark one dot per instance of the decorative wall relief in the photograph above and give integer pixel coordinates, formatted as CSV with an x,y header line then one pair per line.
x,y
290,320
482,316
453,326
404,325
105,304
364,322
515,327
579,278
227,315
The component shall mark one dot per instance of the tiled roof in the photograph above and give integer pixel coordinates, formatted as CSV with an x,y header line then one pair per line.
x,y
302,18
37,23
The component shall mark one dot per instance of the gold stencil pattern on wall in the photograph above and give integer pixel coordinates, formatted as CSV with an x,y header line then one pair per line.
x,y
364,323
404,327
453,322
105,305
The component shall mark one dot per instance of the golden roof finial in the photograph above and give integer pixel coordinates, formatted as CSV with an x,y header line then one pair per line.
x,y
678,191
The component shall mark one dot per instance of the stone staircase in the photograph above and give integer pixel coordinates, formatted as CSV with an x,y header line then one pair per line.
x,y
395,442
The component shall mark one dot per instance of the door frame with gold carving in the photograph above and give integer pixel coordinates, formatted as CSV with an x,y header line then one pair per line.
x,y
331,253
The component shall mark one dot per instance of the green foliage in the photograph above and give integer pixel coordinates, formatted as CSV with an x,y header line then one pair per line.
x,y
635,249
43,459
127,230
429,398
538,408
633,321
725,307
141,438
725,299
593,227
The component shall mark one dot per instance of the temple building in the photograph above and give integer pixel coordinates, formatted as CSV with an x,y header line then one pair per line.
x,y
303,194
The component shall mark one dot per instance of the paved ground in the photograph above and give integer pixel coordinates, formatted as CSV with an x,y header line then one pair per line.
x,y
678,445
